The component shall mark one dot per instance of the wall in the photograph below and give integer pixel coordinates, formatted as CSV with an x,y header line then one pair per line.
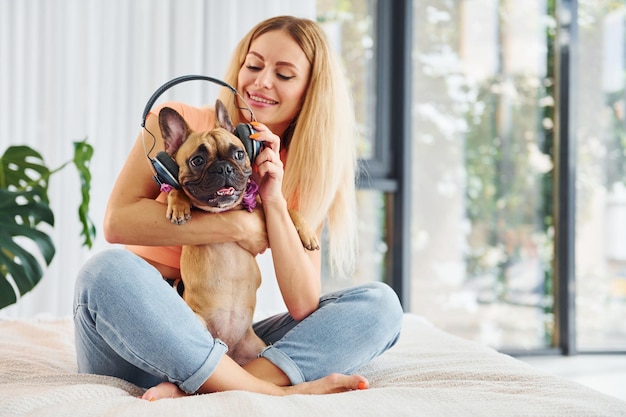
x,y
75,69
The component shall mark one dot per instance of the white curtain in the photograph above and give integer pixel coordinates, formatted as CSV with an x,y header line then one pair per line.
x,y
75,69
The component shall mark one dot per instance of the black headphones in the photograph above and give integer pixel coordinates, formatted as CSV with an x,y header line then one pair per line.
x,y
164,166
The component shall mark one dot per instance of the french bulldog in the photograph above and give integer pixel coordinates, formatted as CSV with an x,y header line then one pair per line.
x,y
220,280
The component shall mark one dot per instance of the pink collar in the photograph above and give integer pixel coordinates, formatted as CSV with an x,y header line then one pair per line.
x,y
249,198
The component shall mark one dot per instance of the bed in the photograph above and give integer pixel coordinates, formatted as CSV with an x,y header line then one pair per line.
x,y
428,373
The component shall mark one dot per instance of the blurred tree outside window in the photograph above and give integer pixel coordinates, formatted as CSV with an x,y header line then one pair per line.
x,y
601,176
483,126
483,116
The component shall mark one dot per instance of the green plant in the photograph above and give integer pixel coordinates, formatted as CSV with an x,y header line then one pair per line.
x,y
24,211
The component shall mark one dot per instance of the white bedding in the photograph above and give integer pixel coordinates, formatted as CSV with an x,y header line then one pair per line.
x,y
428,373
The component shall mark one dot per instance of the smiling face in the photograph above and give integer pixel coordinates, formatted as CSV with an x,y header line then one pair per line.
x,y
274,78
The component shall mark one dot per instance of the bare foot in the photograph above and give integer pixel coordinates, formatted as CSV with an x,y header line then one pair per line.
x,y
330,384
163,390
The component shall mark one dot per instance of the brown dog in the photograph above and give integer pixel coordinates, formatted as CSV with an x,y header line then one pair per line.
x,y
220,279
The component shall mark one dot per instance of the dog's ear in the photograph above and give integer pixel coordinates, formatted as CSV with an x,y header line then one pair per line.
x,y
222,119
173,128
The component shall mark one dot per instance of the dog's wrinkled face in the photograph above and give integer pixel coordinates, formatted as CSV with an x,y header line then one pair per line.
x,y
213,166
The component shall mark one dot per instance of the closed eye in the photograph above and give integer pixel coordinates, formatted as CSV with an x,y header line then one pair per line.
x,y
283,77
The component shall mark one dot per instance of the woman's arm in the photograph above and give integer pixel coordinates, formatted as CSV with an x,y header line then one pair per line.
x,y
297,269
133,216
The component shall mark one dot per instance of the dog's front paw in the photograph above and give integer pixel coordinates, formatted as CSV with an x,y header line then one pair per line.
x,y
307,236
178,215
178,208
308,239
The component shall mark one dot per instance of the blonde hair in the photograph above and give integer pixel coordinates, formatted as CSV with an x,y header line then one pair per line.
x,y
321,165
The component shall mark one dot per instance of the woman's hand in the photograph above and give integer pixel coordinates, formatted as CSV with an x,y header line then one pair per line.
x,y
255,239
270,169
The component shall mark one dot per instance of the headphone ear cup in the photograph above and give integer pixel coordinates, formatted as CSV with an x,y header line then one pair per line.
x,y
166,169
253,147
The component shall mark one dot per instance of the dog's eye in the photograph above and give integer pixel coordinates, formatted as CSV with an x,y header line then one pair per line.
x,y
239,155
196,161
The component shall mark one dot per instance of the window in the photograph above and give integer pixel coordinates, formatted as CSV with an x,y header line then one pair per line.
x,y
487,81
601,176
482,231
351,29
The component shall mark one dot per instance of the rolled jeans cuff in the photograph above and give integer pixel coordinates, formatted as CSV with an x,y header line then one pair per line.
x,y
192,384
285,363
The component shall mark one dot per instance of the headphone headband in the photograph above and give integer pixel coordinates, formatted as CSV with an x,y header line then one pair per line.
x,y
164,167
179,80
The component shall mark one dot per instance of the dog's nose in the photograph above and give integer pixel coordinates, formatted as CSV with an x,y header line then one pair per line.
x,y
222,168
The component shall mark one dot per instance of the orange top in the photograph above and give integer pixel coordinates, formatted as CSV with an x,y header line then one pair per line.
x,y
198,119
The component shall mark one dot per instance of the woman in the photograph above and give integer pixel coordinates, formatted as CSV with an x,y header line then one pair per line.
x,y
131,324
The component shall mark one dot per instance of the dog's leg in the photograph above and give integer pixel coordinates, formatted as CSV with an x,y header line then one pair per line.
x,y
178,207
307,235
247,349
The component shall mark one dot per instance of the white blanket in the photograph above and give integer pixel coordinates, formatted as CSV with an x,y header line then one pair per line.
x,y
428,373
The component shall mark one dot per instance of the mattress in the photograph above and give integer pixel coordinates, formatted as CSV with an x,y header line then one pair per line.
x,y
428,373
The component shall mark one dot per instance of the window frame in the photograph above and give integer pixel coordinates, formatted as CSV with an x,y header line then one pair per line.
x,y
390,169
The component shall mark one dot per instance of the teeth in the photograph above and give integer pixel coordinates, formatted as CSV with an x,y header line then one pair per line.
x,y
261,100
226,191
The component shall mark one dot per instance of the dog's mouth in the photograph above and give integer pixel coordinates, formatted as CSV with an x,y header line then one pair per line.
x,y
226,191
224,197
220,187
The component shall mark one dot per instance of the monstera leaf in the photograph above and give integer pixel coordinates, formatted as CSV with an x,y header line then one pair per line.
x,y
25,212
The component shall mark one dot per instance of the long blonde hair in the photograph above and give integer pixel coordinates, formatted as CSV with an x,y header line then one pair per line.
x,y
321,165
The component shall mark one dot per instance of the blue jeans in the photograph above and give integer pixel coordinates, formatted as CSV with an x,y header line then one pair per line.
x,y
131,324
